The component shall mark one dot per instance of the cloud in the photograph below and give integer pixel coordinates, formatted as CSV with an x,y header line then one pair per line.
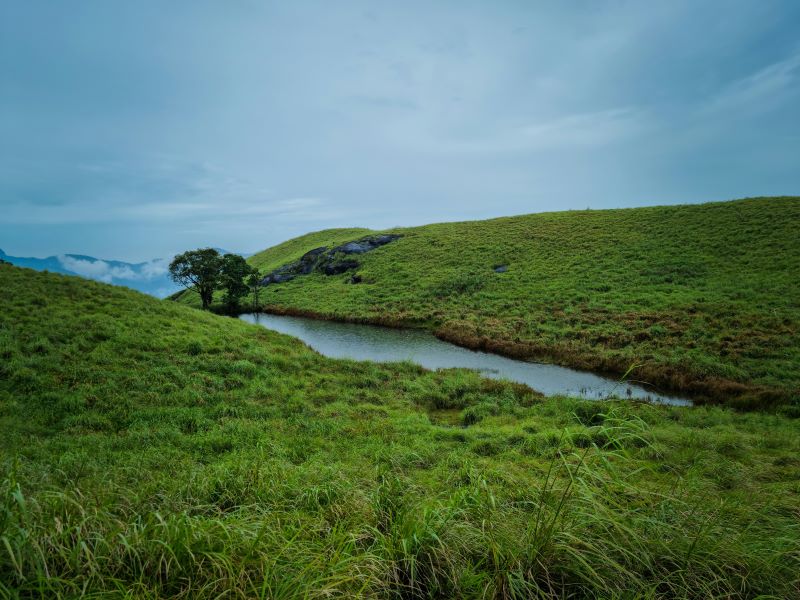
x,y
577,131
155,268
586,129
241,126
146,189
95,269
761,90
233,207
109,273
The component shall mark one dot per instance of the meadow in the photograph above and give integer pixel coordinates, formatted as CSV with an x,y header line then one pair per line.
x,y
699,299
152,450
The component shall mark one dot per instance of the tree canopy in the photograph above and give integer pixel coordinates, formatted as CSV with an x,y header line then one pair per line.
x,y
234,271
198,270
205,270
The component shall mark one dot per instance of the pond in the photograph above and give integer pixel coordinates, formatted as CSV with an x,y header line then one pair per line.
x,y
383,344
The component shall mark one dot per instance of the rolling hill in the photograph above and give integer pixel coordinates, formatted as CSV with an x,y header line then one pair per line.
x,y
151,450
701,299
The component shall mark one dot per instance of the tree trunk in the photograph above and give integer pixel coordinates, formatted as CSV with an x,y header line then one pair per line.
x,y
205,297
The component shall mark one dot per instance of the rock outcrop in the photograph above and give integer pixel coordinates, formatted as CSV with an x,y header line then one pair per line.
x,y
330,261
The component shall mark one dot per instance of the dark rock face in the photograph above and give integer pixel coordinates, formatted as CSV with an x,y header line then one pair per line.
x,y
353,248
277,277
309,259
365,245
340,267
329,261
313,254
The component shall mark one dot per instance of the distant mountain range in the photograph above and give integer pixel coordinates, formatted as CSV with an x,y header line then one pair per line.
x,y
150,277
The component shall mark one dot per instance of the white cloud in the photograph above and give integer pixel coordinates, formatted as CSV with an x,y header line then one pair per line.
x,y
572,131
155,268
760,90
586,129
108,273
98,269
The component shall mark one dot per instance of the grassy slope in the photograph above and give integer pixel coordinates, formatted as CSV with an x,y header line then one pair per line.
x,y
152,450
293,249
705,298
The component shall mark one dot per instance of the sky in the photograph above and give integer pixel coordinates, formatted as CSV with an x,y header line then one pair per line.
x,y
135,130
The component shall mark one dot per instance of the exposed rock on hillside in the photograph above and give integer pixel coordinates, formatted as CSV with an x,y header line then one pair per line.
x,y
331,261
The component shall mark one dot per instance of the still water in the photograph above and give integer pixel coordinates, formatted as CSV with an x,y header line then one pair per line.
x,y
382,344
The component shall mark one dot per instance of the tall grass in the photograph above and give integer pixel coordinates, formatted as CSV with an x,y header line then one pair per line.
x,y
150,450
577,533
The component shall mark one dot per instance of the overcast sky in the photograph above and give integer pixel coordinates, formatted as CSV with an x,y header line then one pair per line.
x,y
132,130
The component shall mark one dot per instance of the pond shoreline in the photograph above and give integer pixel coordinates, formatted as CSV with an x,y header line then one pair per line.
x,y
481,345
364,341
667,380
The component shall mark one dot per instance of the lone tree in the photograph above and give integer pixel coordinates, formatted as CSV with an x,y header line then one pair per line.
x,y
233,274
198,270
254,283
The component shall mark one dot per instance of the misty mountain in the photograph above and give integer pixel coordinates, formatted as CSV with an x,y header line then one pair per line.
x,y
150,277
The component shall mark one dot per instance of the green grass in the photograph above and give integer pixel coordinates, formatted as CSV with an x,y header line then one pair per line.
x,y
151,450
704,299
291,250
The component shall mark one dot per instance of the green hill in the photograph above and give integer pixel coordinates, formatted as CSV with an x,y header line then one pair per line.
x,y
704,299
152,450
293,249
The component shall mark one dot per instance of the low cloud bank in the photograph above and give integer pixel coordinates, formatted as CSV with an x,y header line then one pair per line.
x,y
107,272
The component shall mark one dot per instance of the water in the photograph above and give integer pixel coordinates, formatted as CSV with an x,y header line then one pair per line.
x,y
382,344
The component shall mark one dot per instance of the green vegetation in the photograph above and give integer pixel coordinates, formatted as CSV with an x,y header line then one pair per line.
x,y
293,249
204,271
234,275
151,450
704,299
198,271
